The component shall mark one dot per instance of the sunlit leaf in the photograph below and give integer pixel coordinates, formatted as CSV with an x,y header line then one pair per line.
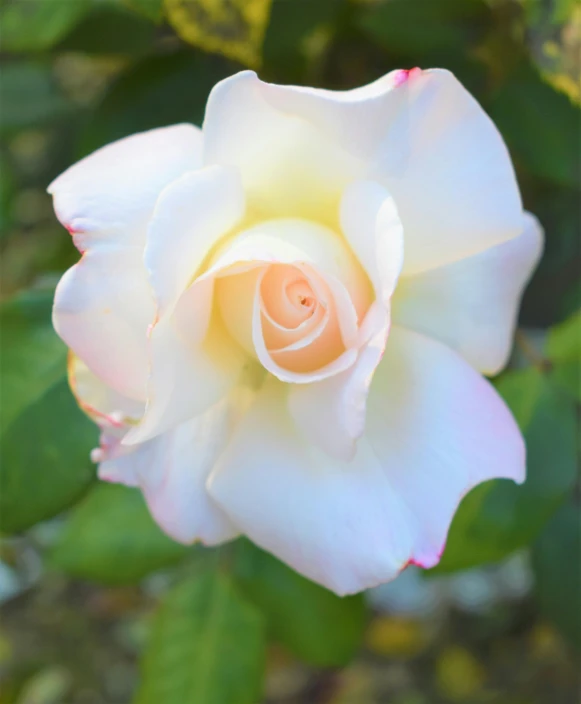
x,y
207,647
234,28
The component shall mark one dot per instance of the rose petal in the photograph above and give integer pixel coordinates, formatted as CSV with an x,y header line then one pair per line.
x,y
420,134
472,305
331,413
102,308
191,215
438,429
172,469
374,231
194,363
110,194
338,524
103,304
102,403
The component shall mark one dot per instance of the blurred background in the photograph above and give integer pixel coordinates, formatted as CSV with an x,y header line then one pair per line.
x,y
98,606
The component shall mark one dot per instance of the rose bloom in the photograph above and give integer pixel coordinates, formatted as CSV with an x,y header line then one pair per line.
x,y
280,321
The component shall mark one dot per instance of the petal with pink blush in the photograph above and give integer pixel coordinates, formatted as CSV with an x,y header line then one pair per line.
x,y
172,469
438,428
102,309
472,305
102,403
110,194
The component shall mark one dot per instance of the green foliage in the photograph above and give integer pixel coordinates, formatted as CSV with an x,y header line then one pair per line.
x,y
28,96
556,568
207,646
414,28
325,630
152,9
157,91
110,29
527,110
110,537
564,351
498,517
46,440
36,25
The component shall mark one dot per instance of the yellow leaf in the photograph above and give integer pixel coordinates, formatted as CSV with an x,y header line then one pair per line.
x,y
234,28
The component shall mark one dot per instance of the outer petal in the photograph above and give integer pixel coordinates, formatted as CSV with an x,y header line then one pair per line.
x,y
190,217
339,524
438,428
419,133
172,469
472,305
111,193
102,308
102,403
103,304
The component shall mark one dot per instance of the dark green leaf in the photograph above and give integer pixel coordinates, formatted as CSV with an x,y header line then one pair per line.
x,y
207,647
111,29
110,537
36,25
157,91
28,96
419,27
46,440
499,517
557,572
325,630
540,125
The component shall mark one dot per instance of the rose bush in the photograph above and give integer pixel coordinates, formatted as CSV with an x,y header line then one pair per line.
x,y
280,321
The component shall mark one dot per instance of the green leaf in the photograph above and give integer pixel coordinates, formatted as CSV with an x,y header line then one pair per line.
x,y
28,96
499,517
540,125
564,340
110,29
46,440
564,353
157,91
37,25
152,9
418,27
555,559
207,647
110,537
325,630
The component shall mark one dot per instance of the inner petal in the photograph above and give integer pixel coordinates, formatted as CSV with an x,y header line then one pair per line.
x,y
288,297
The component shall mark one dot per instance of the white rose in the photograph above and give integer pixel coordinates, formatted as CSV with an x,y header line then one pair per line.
x,y
279,321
